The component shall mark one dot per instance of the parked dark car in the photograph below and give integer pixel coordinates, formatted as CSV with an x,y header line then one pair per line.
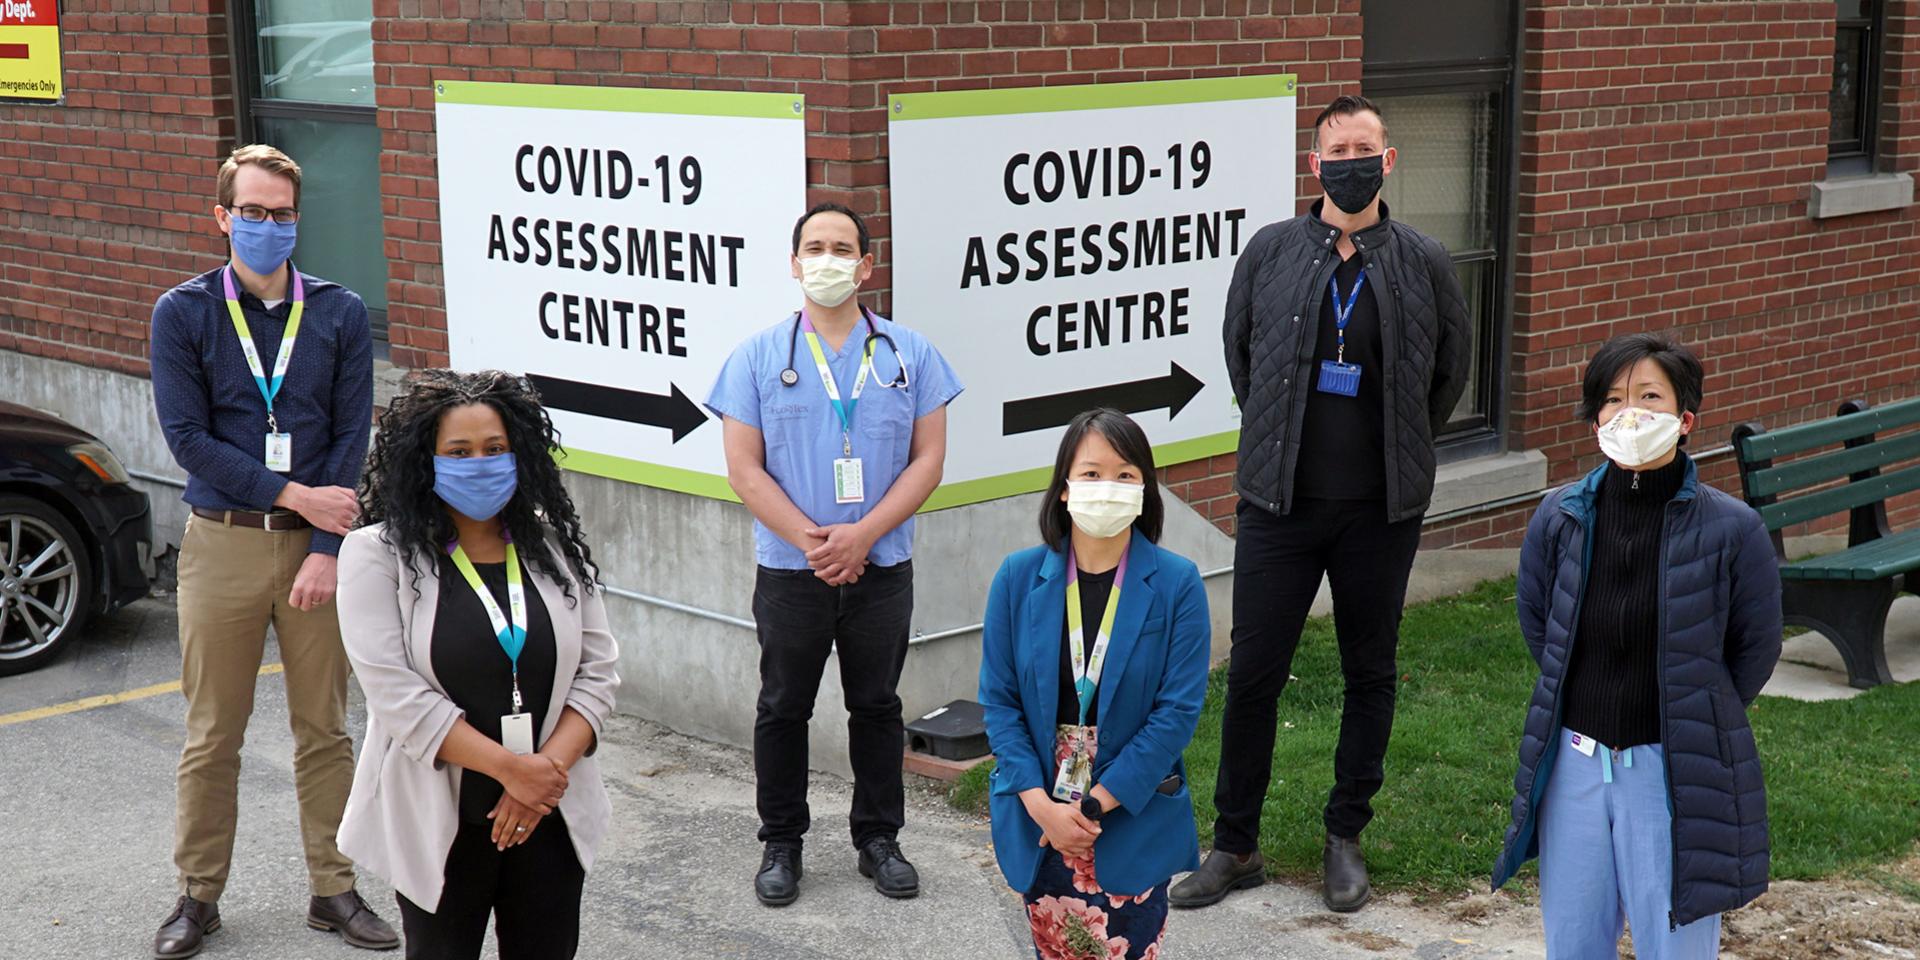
x,y
76,538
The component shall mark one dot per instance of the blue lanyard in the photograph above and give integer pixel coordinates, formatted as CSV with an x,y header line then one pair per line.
x,y
1341,314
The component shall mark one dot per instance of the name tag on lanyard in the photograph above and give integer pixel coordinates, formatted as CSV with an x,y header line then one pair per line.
x,y
516,728
278,453
1337,376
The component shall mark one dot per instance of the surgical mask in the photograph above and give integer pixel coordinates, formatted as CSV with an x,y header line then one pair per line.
x,y
1636,437
828,280
1104,508
263,246
1352,184
478,487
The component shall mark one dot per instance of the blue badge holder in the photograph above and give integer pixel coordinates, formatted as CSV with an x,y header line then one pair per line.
x,y
1340,379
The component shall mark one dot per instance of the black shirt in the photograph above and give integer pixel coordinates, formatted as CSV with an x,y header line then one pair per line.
x,y
1612,689
1343,440
476,673
1094,589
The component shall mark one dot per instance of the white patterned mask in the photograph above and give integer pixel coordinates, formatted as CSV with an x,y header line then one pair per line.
x,y
1636,437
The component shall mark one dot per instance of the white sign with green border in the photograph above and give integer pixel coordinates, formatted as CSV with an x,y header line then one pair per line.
x,y
615,245
1071,247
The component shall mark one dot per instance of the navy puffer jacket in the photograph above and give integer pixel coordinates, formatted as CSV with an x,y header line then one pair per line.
x,y
1720,638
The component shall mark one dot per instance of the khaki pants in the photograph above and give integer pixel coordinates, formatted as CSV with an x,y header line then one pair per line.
x,y
234,581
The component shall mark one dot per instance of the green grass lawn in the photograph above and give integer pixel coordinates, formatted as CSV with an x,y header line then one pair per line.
x,y
1843,777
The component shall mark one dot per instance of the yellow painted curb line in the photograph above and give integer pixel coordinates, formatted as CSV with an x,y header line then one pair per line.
x,y
107,700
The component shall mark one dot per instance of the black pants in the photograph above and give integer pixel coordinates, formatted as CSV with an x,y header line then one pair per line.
x,y
1277,565
800,620
532,891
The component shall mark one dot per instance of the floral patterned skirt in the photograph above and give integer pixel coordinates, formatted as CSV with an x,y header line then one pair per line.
x,y
1073,919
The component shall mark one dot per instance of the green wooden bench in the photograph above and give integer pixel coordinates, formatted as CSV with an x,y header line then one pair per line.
x,y
1844,595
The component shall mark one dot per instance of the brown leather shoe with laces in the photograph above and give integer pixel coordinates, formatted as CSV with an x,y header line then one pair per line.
x,y
185,930
357,924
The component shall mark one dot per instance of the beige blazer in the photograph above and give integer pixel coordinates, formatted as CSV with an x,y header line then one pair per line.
x,y
404,809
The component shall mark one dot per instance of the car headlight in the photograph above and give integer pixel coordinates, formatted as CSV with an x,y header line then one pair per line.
x,y
96,457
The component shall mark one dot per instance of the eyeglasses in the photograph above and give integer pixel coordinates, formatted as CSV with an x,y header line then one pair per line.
x,y
257,214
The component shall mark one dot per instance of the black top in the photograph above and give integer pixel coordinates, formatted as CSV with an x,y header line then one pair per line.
x,y
1612,688
1343,441
1094,588
476,673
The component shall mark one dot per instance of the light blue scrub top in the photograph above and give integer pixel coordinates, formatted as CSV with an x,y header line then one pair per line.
x,y
803,433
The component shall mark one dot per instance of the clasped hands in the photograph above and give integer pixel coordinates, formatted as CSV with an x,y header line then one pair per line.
x,y
534,785
332,509
1062,825
838,552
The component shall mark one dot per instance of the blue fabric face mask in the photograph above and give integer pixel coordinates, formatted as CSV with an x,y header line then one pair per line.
x,y
478,487
263,246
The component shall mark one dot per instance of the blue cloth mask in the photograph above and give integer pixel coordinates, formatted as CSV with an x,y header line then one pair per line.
x,y
478,487
264,246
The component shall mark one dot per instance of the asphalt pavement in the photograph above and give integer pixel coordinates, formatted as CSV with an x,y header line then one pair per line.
x,y
87,798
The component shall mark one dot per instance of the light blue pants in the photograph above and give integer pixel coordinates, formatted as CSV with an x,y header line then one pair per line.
x,y
1606,856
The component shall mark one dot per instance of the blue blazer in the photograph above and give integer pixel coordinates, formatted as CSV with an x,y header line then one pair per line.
x,y
1150,696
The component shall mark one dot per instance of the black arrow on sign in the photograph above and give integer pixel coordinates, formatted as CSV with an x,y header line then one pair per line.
x,y
672,412
1039,413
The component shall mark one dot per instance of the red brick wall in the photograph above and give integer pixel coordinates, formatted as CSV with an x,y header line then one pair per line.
x,y
106,202
846,57
1668,151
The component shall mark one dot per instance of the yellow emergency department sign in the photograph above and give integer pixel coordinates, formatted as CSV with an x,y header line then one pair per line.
x,y
30,51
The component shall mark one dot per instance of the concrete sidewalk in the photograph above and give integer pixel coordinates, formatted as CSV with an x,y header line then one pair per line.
x,y
89,805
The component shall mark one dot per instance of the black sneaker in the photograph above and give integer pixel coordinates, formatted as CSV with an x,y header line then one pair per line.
x,y
778,882
893,876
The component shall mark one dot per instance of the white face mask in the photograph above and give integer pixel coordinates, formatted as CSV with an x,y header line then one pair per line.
x,y
1104,508
1636,437
828,280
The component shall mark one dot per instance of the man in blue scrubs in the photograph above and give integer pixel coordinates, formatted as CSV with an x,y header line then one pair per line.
x,y
836,432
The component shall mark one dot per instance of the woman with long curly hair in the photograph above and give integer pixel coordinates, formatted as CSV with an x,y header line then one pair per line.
x,y
470,610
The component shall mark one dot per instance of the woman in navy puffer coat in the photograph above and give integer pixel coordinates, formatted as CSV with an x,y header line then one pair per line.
x,y
1652,604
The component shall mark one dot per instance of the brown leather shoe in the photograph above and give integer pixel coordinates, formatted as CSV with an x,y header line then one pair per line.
x,y
1220,874
357,924
185,930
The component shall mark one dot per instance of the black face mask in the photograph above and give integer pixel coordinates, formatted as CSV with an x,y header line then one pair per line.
x,y
1352,184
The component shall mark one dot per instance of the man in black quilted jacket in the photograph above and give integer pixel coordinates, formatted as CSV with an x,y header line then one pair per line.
x,y
1347,341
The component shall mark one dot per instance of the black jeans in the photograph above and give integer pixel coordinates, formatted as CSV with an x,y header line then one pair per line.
x,y
532,891
1278,562
801,619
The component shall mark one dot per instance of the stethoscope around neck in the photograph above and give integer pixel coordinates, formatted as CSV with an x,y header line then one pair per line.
x,y
790,376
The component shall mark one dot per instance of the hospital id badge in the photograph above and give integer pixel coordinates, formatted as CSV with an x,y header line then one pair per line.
x,y
516,733
849,484
1073,746
1340,379
280,452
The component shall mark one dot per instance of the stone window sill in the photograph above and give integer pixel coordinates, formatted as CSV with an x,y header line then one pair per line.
x,y
1470,483
1871,193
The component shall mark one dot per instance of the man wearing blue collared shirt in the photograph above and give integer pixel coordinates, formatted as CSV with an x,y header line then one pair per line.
x,y
836,433
263,382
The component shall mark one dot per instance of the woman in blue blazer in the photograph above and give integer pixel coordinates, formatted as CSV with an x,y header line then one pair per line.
x,y
1091,694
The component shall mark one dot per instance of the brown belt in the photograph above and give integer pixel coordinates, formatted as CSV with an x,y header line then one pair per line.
x,y
276,521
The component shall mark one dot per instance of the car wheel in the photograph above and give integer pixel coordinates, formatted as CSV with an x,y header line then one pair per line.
x,y
46,583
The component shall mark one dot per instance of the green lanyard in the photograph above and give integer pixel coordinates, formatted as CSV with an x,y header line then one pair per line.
x,y
269,389
844,408
1086,673
512,635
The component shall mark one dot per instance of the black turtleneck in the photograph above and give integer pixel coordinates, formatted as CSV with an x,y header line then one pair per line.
x,y
1612,687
